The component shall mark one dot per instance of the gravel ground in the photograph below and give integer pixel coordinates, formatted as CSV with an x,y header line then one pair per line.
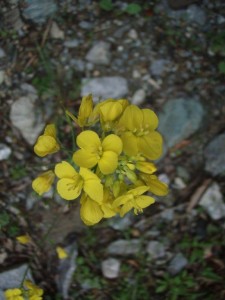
x,y
165,55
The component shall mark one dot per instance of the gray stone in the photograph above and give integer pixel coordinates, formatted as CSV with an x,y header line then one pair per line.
x,y
133,34
2,76
85,25
2,297
167,215
38,11
179,119
105,87
26,118
124,247
159,66
2,53
29,89
111,268
78,64
138,97
12,278
66,270
155,250
215,156
196,15
212,202
72,43
177,264
119,223
56,32
99,53
5,151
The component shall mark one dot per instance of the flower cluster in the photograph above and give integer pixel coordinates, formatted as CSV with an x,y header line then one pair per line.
x,y
111,169
29,292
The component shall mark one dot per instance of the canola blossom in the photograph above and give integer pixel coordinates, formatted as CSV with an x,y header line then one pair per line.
x,y
29,291
110,169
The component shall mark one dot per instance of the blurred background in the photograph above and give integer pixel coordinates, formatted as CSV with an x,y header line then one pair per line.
x,y
167,55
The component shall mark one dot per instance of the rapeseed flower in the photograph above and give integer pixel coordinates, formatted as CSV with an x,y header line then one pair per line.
x,y
24,239
43,182
155,186
134,198
94,152
47,143
136,128
14,294
34,292
62,254
71,183
84,113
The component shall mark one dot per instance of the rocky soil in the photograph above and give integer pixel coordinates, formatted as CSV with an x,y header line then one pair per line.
x,y
165,55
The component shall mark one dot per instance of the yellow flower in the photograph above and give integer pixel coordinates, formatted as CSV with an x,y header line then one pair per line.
x,y
134,199
92,212
71,183
23,239
145,167
93,151
34,292
84,113
155,185
62,254
13,294
110,110
43,182
47,143
136,128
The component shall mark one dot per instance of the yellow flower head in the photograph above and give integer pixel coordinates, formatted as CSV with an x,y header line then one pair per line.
x,y
14,294
136,128
94,152
155,185
47,143
84,113
133,199
109,111
71,183
62,254
34,292
43,182
145,167
23,239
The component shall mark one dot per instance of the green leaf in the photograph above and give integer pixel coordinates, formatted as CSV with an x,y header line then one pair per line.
x,y
4,219
133,9
106,5
221,67
161,289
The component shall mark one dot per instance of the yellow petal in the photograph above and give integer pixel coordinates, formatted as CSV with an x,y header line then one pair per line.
x,y
62,254
150,145
157,187
132,118
129,143
138,190
108,211
85,158
43,182
126,208
88,140
11,294
150,119
144,201
65,170
110,111
46,145
69,189
108,162
121,200
92,185
90,211
23,239
50,130
112,143
85,110
146,167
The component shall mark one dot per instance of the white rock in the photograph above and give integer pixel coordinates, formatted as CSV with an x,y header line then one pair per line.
x,y
133,34
212,202
24,116
2,53
124,247
156,250
179,183
111,268
105,87
136,74
99,53
138,97
5,151
56,32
